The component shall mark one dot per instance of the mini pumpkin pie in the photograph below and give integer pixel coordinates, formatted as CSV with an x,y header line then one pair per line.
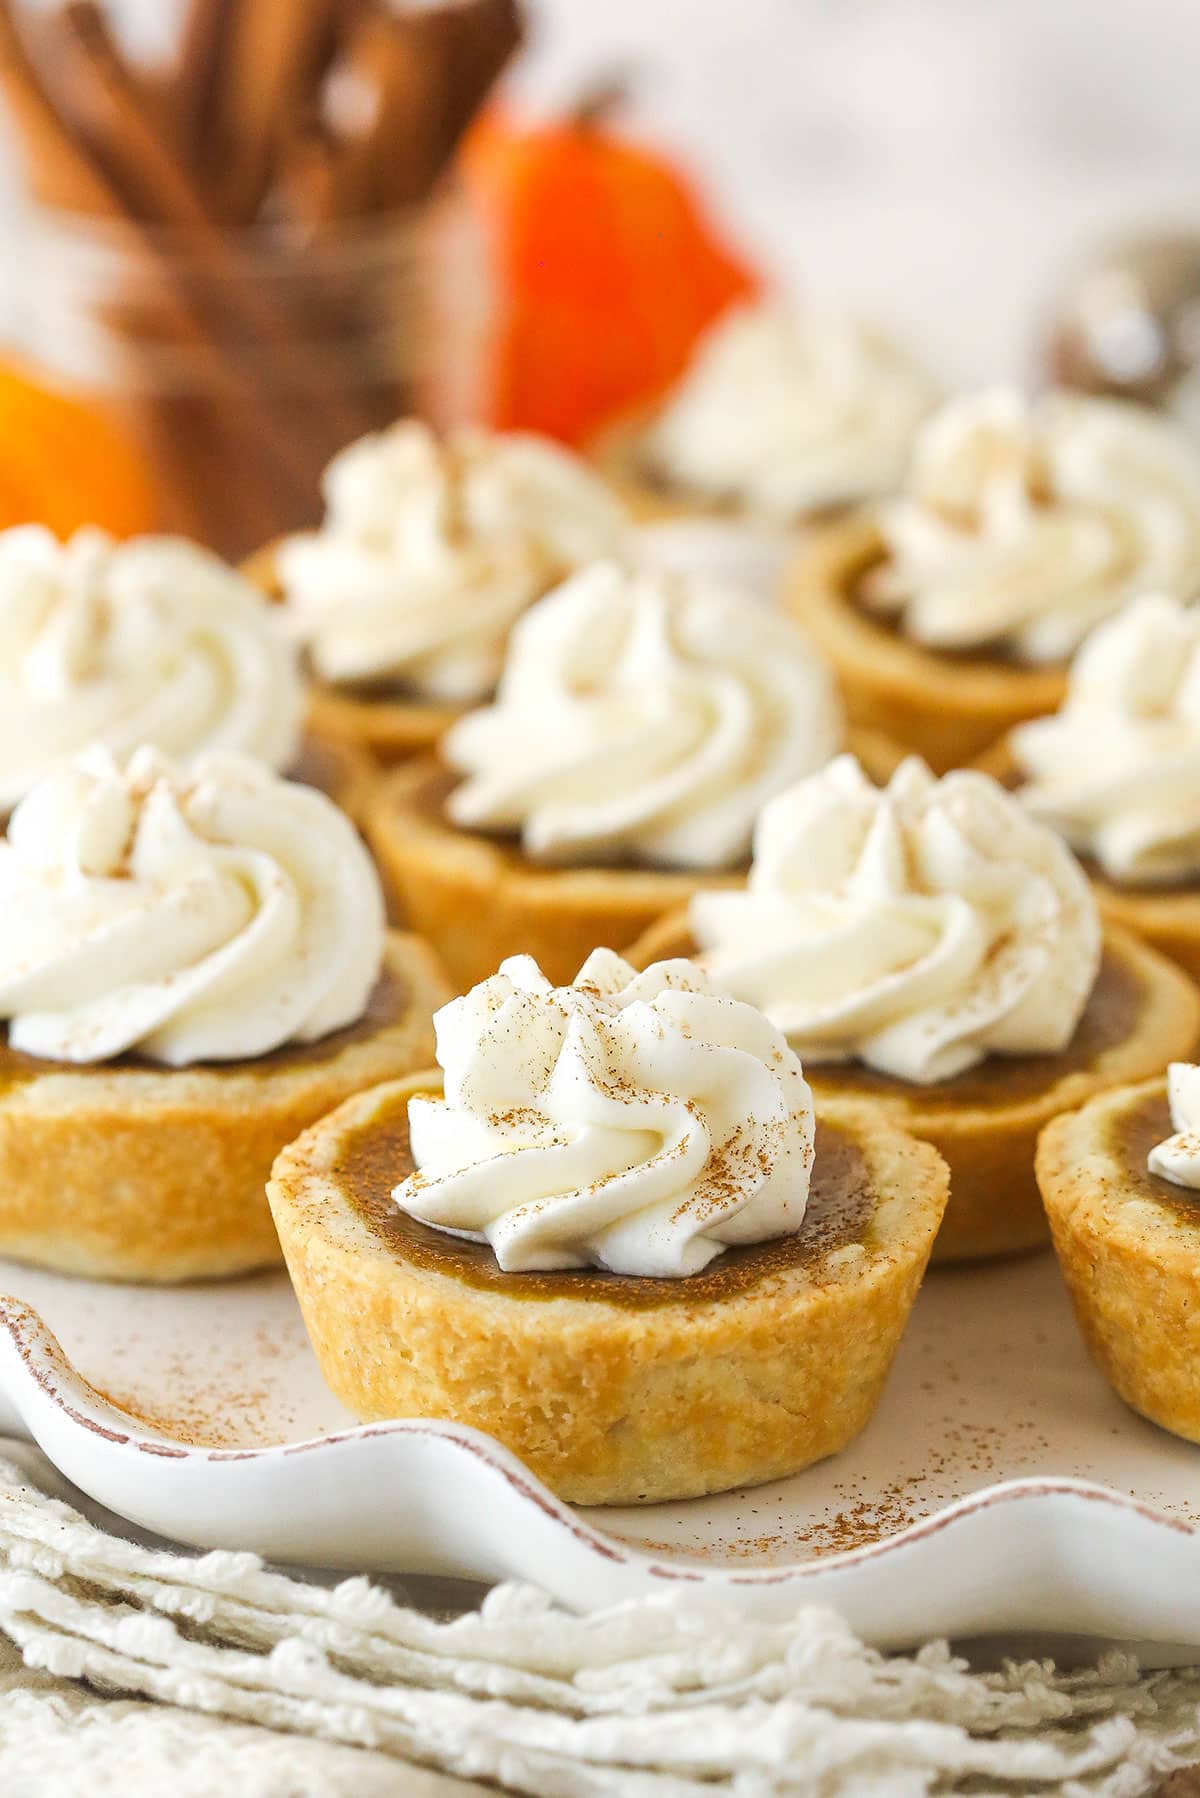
x,y
640,724
151,641
950,611
783,415
614,1239
193,967
428,553
1119,1178
1117,771
933,952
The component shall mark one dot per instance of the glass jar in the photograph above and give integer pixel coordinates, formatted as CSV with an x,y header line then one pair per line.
x,y
238,363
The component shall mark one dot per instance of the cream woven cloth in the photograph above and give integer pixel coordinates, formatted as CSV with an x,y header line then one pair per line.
x,y
125,1666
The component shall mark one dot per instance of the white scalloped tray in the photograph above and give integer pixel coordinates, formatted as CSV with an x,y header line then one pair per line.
x,y
1000,1488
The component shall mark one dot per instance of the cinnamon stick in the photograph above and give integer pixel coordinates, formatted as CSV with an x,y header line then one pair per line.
x,y
250,356
59,173
79,69
307,181
279,358
273,52
482,36
378,105
404,90
197,73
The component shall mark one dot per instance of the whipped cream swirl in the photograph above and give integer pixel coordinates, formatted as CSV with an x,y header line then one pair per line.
x,y
430,550
149,641
1117,769
637,1122
1023,524
643,718
789,412
915,928
1178,1157
206,915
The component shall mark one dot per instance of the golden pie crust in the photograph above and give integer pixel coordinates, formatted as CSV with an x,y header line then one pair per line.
x,y
134,1171
1143,1013
387,728
613,1390
1168,918
1128,1243
477,898
946,708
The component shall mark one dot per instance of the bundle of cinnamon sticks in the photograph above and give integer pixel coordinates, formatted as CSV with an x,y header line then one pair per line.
x,y
253,221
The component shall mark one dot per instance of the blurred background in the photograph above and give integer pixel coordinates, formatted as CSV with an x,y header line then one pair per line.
x,y
935,162
945,166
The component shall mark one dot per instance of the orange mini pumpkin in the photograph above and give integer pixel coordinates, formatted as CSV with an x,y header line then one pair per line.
x,y
607,271
62,464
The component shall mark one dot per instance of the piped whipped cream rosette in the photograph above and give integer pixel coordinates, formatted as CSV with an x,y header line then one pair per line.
x,y
916,928
1024,523
1177,1158
791,412
207,914
643,718
1117,769
430,550
148,641
636,1122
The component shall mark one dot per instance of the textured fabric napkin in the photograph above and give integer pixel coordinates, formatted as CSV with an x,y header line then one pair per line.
x,y
133,1667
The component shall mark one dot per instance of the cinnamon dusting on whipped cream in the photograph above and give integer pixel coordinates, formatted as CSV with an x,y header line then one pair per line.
x,y
635,1122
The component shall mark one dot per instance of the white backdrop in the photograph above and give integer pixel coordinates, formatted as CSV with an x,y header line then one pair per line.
x,y
940,161
936,161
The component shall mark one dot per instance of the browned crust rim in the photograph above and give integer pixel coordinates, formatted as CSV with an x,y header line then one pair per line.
x,y
947,708
1128,1244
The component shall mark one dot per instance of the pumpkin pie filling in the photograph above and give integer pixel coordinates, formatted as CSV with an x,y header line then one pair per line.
x,y
374,1156
388,1003
857,591
1110,1017
1132,1131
